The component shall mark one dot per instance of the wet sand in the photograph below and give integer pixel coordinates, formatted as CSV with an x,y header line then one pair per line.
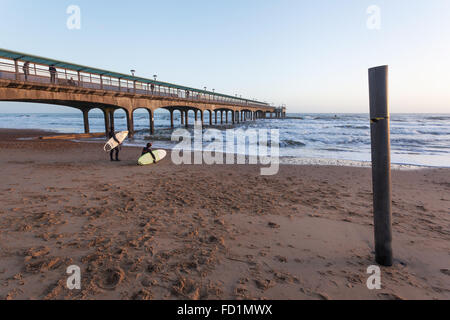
x,y
209,232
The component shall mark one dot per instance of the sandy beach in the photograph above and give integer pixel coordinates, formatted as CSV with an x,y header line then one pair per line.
x,y
209,232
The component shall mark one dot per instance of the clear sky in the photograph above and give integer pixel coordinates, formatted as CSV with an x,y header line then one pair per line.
x,y
311,55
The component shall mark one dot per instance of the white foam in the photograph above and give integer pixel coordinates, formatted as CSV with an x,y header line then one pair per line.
x,y
344,163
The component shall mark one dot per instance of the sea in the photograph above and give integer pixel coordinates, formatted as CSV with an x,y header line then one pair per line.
x,y
417,140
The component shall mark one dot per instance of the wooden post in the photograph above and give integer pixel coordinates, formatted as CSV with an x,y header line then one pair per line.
x,y
202,116
381,164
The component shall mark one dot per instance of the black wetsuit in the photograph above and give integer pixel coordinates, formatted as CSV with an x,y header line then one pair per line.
x,y
149,150
116,149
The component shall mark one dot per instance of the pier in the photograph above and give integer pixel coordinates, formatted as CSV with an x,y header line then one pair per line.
x,y
30,78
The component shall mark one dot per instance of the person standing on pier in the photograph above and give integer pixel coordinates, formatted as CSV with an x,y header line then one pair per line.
x,y
26,70
52,70
112,135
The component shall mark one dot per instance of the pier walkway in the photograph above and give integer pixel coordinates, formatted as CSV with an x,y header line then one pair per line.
x,y
29,78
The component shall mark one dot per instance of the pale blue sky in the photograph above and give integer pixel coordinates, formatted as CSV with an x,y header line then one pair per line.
x,y
311,55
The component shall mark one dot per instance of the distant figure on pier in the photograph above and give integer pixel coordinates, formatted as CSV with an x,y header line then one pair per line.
x,y
72,82
152,87
148,149
187,94
112,135
52,70
26,70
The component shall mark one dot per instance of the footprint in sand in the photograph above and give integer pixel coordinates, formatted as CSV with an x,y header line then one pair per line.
x,y
446,272
111,278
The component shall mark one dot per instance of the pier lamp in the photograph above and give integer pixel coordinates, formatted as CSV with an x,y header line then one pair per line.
x,y
205,88
155,76
133,72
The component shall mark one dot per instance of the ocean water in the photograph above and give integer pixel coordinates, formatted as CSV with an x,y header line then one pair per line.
x,y
416,139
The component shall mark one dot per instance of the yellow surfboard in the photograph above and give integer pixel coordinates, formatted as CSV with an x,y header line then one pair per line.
x,y
147,158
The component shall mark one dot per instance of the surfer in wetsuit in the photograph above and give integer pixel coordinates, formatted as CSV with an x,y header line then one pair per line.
x,y
148,149
116,149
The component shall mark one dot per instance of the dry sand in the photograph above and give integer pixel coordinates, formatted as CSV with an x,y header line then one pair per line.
x,y
209,232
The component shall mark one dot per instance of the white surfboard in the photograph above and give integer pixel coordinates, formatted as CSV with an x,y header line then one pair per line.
x,y
147,158
111,144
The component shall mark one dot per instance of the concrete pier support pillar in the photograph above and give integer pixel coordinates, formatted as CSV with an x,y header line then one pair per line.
x,y
202,116
172,125
221,117
196,116
86,120
186,118
130,123
151,115
111,120
107,124
210,118
182,117
233,116
226,117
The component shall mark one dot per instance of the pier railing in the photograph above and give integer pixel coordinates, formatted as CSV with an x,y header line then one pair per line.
x,y
35,73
